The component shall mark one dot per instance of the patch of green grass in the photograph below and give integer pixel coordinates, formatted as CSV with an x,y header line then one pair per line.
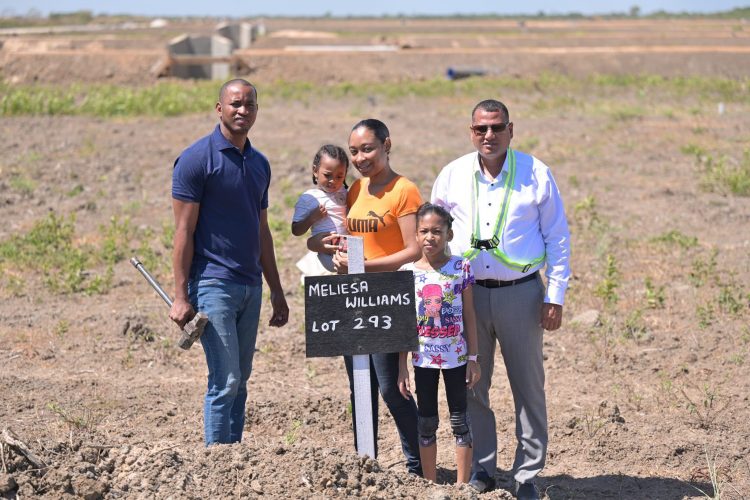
x,y
585,212
291,436
654,295
278,225
705,87
161,99
693,150
148,256
32,157
87,148
554,103
675,237
621,113
723,174
83,419
48,247
732,300
286,187
714,474
737,359
176,98
62,327
266,348
22,184
635,326
167,234
310,371
528,144
704,270
14,285
607,288
116,236
705,410
132,207
49,250
290,200
75,191
705,314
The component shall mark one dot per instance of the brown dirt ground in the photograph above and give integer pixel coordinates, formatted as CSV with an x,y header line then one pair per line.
x,y
644,402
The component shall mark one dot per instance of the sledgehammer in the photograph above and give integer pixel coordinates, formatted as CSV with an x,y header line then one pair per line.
x,y
193,329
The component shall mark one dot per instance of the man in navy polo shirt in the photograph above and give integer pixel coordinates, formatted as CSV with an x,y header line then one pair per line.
x,y
222,245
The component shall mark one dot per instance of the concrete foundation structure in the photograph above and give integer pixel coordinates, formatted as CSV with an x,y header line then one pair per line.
x,y
208,46
242,35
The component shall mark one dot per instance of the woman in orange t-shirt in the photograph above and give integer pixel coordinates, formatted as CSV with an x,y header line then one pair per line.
x,y
382,208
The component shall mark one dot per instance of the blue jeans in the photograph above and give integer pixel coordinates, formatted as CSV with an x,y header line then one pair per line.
x,y
228,341
384,374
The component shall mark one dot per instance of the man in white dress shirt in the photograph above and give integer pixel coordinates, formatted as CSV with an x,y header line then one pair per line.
x,y
510,221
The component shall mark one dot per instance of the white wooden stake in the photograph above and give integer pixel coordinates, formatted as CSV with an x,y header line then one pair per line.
x,y
361,365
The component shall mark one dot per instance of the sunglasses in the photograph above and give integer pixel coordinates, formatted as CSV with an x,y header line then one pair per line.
x,y
497,128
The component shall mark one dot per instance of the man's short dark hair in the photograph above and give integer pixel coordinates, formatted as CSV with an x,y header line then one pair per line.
x,y
239,81
491,105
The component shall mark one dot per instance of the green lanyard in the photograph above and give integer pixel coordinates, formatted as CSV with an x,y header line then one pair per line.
x,y
496,241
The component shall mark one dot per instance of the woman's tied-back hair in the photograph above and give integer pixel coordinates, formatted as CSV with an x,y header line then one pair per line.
x,y
378,128
429,208
333,152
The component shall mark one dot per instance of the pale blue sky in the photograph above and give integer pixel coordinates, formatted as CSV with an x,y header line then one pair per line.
x,y
239,8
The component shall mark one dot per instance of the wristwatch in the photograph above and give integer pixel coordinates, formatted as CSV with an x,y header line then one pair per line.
x,y
474,357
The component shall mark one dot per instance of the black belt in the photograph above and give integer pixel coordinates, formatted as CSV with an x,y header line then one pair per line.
x,y
500,284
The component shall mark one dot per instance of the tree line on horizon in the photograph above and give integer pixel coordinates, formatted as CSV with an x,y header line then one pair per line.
x,y
34,17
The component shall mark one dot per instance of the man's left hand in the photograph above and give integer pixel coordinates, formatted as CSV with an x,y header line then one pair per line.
x,y
551,316
280,314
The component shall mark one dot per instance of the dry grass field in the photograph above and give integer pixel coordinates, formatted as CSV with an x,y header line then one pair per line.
x,y
644,124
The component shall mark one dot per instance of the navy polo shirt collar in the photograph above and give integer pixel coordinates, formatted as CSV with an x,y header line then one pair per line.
x,y
221,143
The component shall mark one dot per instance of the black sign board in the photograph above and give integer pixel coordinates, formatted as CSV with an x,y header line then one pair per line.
x,y
360,314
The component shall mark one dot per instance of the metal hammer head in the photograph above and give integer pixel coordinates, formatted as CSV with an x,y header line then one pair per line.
x,y
193,330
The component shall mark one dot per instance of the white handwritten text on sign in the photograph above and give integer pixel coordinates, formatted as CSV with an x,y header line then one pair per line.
x,y
360,313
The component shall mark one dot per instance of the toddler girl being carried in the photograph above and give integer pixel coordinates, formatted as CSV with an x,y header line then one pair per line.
x,y
322,209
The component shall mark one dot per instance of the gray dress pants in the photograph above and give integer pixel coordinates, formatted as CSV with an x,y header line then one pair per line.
x,y
510,316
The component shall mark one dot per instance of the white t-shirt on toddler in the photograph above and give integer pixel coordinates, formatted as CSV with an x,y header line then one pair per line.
x,y
335,205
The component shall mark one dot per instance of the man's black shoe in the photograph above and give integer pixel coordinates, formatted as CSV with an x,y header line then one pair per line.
x,y
482,482
525,491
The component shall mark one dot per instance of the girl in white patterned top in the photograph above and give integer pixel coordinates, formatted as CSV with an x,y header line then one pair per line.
x,y
446,326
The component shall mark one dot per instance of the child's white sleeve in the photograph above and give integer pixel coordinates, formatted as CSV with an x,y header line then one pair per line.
x,y
306,203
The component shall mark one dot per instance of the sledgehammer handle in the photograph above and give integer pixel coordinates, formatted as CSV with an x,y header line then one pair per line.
x,y
137,264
